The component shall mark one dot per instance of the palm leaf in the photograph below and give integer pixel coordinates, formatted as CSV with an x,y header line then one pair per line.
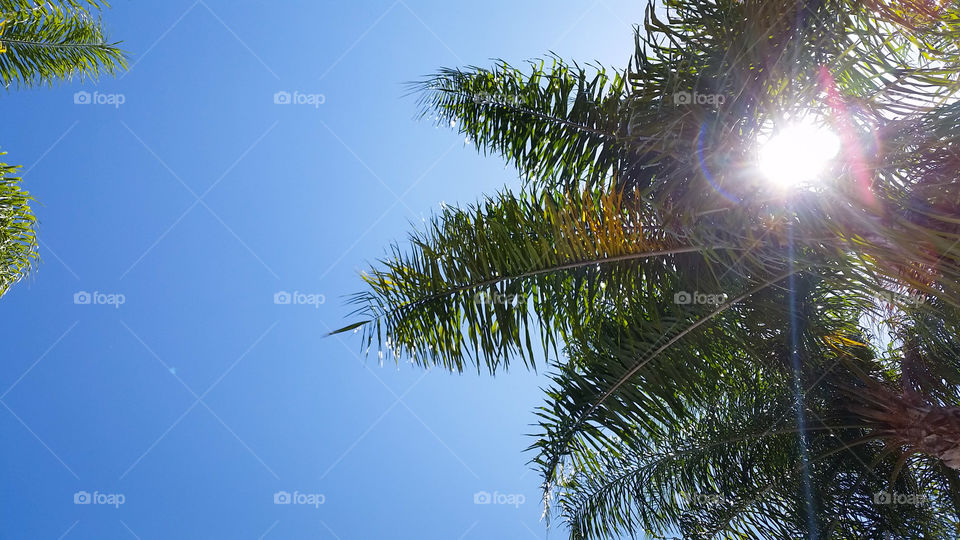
x,y
18,241
56,41
560,125
477,283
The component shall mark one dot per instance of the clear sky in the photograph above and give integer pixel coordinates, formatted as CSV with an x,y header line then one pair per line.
x,y
176,397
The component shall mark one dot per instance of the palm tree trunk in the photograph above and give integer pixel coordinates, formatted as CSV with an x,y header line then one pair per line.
x,y
907,421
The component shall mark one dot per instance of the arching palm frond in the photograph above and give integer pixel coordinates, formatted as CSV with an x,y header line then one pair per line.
x,y
736,471
40,42
9,6
861,441
480,280
827,373
560,125
641,370
47,42
18,239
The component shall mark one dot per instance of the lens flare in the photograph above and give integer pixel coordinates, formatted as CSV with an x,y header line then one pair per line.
x,y
797,154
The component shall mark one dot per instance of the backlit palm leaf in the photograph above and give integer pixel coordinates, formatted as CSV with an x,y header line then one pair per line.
x,y
829,370
478,281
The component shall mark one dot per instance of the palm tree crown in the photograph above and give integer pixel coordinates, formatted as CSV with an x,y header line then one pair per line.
x,y
730,359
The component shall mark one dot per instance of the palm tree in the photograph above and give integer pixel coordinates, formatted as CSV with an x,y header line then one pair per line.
x,y
42,42
731,358
46,41
18,242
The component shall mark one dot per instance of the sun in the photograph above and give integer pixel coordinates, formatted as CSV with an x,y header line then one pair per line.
x,y
796,154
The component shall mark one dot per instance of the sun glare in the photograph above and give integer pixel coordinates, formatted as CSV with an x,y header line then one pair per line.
x,y
797,154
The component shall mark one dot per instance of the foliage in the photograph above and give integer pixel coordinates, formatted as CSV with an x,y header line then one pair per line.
x,y
44,42
18,241
824,371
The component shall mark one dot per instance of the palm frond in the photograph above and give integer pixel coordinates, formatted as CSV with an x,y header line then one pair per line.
x,y
560,125
18,240
479,280
54,41
793,401
736,472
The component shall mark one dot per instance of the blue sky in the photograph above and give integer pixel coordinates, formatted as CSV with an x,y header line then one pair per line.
x,y
176,385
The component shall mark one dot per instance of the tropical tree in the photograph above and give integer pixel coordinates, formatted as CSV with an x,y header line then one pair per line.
x,y
42,42
46,41
18,241
732,355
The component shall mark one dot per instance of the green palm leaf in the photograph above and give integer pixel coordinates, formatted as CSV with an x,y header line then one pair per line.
x,y
560,125
479,280
54,41
18,240
796,401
